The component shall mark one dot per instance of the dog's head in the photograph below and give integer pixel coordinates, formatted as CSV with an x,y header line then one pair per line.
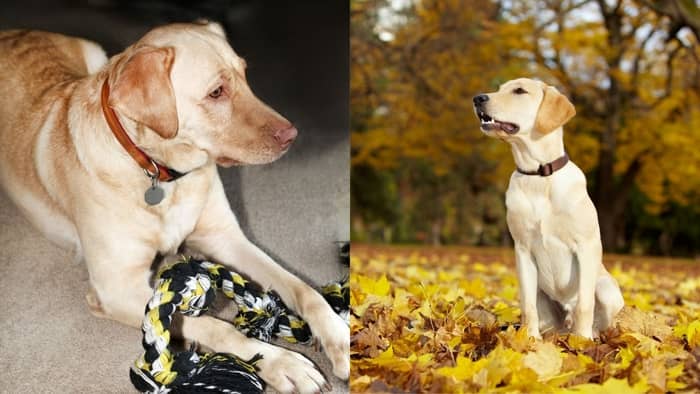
x,y
185,90
522,107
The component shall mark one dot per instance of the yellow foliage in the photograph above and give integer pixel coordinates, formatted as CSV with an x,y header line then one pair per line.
x,y
378,287
617,386
438,322
411,95
546,360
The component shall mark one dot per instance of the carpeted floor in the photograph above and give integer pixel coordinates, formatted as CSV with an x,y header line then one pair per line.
x,y
294,208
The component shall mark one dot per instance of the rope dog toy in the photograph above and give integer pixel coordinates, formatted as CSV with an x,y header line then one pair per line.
x,y
189,286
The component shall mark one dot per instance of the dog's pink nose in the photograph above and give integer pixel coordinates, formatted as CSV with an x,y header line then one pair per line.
x,y
286,136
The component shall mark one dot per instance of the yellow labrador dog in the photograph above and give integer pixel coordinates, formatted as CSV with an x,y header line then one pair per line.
x,y
116,159
558,252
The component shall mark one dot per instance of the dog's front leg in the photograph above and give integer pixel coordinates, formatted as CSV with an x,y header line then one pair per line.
x,y
285,370
218,236
527,279
589,255
120,290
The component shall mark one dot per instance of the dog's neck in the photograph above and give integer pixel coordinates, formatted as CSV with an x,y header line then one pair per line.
x,y
95,129
92,138
177,153
155,170
536,149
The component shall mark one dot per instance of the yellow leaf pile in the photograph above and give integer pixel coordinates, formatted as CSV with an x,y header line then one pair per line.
x,y
445,320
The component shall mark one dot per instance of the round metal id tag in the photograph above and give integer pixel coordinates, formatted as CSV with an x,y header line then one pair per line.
x,y
154,195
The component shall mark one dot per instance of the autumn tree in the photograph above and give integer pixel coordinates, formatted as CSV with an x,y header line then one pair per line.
x,y
682,13
412,118
419,160
633,76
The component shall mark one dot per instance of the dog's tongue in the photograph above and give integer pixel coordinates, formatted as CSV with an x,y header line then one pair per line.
x,y
508,127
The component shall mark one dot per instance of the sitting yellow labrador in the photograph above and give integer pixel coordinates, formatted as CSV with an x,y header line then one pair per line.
x,y
558,252
116,159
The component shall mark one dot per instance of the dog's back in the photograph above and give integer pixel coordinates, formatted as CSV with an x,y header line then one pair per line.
x,y
38,57
37,75
35,68
32,63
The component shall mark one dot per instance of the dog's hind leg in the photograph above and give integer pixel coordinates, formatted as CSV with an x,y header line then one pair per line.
x,y
609,302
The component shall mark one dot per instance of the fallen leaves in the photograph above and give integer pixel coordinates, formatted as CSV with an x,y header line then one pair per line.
x,y
650,324
546,360
446,320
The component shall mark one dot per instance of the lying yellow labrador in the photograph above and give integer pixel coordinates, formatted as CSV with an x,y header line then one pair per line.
x,y
116,159
558,252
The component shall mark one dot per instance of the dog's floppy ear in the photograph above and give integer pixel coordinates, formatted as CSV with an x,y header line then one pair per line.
x,y
142,90
555,110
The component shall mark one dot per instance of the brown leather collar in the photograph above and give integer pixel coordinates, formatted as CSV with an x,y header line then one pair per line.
x,y
149,165
549,168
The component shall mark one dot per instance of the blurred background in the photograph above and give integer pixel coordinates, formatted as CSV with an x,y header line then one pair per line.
x,y
295,208
422,172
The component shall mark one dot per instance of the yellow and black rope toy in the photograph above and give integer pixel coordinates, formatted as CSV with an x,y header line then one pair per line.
x,y
189,286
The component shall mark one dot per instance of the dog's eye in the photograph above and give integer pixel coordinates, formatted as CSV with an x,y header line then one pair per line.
x,y
519,91
216,93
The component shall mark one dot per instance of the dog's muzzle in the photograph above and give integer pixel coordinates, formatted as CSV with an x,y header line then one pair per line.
x,y
487,122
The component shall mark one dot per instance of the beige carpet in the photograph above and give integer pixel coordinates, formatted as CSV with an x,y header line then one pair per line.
x,y
50,343
294,208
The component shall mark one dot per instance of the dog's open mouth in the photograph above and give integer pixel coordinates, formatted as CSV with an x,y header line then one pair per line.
x,y
489,124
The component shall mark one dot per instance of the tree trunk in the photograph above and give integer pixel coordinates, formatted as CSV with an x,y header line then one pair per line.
x,y
610,231
606,195
606,192
435,231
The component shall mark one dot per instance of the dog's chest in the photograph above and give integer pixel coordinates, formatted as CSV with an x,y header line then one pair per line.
x,y
178,214
541,226
530,211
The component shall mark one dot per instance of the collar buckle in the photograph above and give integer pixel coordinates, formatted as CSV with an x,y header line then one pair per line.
x,y
546,170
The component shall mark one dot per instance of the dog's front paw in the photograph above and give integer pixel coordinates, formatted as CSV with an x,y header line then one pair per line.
x,y
337,347
534,332
334,335
583,327
568,322
291,372
586,332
